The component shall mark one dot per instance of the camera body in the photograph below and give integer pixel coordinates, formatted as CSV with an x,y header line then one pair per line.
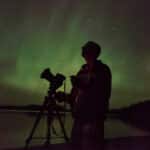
x,y
55,80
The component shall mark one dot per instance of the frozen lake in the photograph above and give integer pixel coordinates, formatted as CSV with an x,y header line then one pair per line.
x,y
15,128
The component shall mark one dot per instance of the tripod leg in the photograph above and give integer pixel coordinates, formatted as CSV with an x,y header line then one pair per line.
x,y
54,130
49,122
62,126
34,128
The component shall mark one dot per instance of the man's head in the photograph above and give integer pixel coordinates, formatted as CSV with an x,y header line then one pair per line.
x,y
91,51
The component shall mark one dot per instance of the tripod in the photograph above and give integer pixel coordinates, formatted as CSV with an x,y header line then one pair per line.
x,y
49,104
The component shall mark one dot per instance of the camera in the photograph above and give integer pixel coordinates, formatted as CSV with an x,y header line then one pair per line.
x,y
55,80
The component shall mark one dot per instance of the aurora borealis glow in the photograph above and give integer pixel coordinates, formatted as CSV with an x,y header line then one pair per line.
x,y
36,34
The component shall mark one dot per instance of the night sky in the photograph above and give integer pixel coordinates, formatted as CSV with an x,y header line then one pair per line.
x,y
36,34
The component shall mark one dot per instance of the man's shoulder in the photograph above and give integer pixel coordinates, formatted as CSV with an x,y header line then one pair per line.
x,y
102,65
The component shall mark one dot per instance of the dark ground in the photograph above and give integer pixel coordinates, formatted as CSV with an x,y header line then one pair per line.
x,y
127,143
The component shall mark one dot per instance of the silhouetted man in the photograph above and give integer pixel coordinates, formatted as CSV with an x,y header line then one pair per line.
x,y
90,93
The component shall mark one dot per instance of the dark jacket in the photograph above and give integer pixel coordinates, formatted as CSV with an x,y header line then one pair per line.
x,y
94,91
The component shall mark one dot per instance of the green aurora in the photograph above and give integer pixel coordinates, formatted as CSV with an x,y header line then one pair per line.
x,y
40,34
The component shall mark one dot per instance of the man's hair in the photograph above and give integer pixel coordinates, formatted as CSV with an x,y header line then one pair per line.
x,y
91,48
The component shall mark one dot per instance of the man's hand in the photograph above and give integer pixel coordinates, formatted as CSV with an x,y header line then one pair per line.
x,y
73,80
